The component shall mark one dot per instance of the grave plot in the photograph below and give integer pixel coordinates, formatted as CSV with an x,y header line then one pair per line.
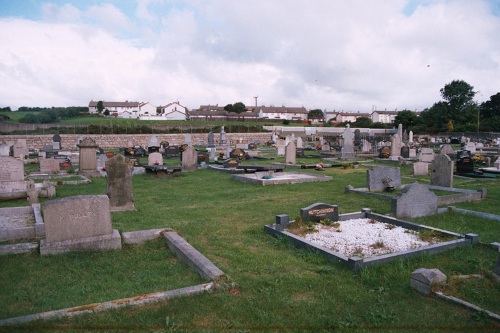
x,y
21,223
363,239
273,178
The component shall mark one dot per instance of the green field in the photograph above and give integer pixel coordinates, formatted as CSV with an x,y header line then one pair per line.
x,y
279,288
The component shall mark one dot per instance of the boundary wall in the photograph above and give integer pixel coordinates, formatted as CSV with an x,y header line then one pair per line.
x,y
107,141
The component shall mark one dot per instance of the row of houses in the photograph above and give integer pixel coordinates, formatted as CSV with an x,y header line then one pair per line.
x,y
176,111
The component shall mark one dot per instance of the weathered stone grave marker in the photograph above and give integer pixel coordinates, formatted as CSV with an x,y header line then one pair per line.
x,y
415,200
119,183
78,223
290,153
442,171
88,160
49,165
381,178
189,159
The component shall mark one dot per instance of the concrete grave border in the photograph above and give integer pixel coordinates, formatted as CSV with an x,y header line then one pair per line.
x,y
253,178
356,263
182,250
460,195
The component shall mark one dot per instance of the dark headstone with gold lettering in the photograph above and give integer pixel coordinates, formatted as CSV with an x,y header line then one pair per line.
x,y
320,211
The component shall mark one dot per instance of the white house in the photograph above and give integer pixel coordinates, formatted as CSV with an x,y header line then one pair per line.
x,y
350,116
283,112
118,109
147,110
174,111
330,115
386,117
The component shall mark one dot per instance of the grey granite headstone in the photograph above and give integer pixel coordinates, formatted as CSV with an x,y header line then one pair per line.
x,y
442,171
415,200
189,159
222,136
420,169
119,183
290,153
378,178
320,211
396,144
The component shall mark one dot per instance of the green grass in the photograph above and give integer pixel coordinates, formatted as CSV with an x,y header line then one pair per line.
x,y
279,288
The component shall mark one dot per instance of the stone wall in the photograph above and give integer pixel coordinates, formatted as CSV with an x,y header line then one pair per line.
x,y
108,141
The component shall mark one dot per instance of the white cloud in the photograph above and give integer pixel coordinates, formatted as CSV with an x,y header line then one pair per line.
x,y
346,55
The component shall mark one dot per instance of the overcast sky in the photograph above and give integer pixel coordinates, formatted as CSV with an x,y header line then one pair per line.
x,y
351,55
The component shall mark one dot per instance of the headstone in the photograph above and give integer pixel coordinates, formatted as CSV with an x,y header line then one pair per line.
x,y
347,150
320,211
76,217
496,164
78,223
413,153
212,153
487,161
222,136
290,153
442,171
280,145
155,159
11,175
20,148
189,159
426,155
447,150
420,169
325,146
56,142
300,143
405,152
423,279
410,138
396,144
465,163
381,177
88,160
4,148
172,151
153,145
119,183
211,143
357,137
470,146
49,165
415,200
366,146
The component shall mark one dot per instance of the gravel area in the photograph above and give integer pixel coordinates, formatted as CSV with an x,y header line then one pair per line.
x,y
365,238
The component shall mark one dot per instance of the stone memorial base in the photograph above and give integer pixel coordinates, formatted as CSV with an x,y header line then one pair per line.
x,y
112,241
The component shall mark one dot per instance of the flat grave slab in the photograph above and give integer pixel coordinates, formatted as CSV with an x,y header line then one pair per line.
x,y
265,178
20,223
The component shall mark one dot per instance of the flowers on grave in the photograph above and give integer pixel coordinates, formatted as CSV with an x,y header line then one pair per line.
x,y
478,158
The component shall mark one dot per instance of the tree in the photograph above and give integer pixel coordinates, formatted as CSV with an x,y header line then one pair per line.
x,y
362,122
459,96
100,107
490,114
238,107
406,118
315,114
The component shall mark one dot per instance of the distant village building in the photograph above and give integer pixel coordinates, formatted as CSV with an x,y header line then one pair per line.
x,y
343,117
386,117
330,116
283,113
142,111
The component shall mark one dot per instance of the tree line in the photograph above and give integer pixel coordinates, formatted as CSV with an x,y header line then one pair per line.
x,y
50,115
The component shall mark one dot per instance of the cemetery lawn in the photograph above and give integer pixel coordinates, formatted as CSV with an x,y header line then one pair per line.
x,y
279,288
